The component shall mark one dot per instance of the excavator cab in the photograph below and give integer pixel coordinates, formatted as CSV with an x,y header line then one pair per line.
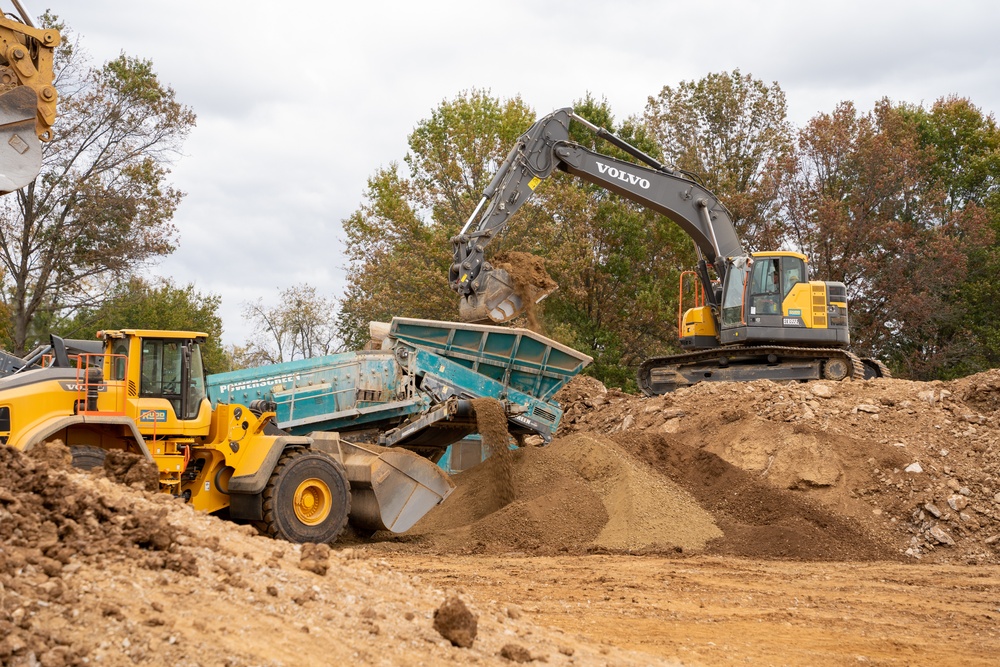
x,y
768,297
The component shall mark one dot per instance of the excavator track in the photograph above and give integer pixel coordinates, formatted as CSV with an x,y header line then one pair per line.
x,y
744,363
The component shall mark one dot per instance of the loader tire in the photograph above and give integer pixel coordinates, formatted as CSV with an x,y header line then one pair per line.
x,y
307,498
87,457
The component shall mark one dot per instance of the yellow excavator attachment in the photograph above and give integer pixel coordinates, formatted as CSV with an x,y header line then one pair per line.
x,y
27,99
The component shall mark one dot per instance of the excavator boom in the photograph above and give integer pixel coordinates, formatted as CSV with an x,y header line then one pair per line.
x,y
488,293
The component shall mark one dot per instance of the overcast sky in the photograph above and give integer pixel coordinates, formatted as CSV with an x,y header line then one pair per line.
x,y
299,102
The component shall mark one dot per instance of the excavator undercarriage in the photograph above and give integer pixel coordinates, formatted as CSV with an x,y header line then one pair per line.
x,y
659,375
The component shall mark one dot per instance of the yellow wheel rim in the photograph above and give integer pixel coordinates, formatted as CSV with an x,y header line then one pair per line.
x,y
313,501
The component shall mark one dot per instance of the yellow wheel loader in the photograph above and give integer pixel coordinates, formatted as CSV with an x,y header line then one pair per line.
x,y
144,392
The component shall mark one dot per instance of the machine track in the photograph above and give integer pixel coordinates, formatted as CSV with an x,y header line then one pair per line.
x,y
748,360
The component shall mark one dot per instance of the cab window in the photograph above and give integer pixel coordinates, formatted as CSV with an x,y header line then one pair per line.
x,y
161,371
196,383
120,359
765,287
732,296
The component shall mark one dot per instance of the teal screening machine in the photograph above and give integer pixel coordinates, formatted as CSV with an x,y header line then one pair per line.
x,y
411,391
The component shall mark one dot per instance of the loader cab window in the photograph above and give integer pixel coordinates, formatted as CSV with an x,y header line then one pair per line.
x,y
120,359
195,390
172,369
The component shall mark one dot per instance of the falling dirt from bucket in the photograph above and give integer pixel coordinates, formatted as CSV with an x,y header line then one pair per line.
x,y
531,282
491,420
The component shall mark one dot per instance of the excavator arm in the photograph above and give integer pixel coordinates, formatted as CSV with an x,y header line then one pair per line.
x,y
27,97
487,293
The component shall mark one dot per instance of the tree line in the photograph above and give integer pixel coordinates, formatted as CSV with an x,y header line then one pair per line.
x,y
900,202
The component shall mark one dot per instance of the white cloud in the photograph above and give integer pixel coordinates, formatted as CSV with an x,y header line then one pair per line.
x,y
299,103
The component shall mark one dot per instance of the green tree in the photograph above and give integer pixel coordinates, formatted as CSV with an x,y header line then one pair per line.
x,y
158,304
101,208
965,144
398,240
730,131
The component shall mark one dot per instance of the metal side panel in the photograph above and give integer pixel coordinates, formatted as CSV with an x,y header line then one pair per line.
x,y
453,379
525,360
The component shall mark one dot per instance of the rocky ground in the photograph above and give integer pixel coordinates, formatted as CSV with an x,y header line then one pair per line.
x,y
852,522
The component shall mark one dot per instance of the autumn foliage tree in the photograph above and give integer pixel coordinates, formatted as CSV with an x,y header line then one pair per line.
x,y
867,208
101,208
730,131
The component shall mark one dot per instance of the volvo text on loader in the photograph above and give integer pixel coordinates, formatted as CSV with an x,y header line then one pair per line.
x,y
760,316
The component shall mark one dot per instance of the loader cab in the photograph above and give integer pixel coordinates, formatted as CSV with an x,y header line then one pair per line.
x,y
165,379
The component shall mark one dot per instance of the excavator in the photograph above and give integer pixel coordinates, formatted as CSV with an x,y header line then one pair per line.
x,y
27,97
758,317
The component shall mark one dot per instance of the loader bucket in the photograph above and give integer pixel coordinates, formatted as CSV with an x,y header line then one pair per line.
x,y
20,148
495,300
391,488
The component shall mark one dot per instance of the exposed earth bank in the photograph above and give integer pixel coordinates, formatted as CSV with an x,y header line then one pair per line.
x,y
795,524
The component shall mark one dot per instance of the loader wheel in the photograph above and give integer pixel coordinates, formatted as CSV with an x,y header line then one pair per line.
x,y
86,457
307,499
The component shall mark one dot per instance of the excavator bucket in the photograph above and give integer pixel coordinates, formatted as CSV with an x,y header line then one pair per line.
x,y
391,488
496,300
20,148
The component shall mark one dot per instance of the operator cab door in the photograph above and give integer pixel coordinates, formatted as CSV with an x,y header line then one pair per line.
x,y
171,369
753,296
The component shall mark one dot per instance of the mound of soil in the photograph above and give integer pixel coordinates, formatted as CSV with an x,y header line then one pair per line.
x,y
893,462
97,572
581,493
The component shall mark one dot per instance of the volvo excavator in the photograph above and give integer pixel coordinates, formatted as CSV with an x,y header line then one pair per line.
x,y
758,317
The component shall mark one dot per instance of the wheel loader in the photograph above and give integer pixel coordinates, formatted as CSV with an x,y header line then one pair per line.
x,y
270,451
145,393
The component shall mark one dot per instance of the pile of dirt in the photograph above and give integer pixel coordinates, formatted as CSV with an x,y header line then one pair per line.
x,y
910,464
581,493
96,572
852,471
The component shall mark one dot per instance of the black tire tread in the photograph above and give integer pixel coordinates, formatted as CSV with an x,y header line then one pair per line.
x,y
87,457
271,507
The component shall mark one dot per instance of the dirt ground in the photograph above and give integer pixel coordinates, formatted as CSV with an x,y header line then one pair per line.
x,y
821,523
